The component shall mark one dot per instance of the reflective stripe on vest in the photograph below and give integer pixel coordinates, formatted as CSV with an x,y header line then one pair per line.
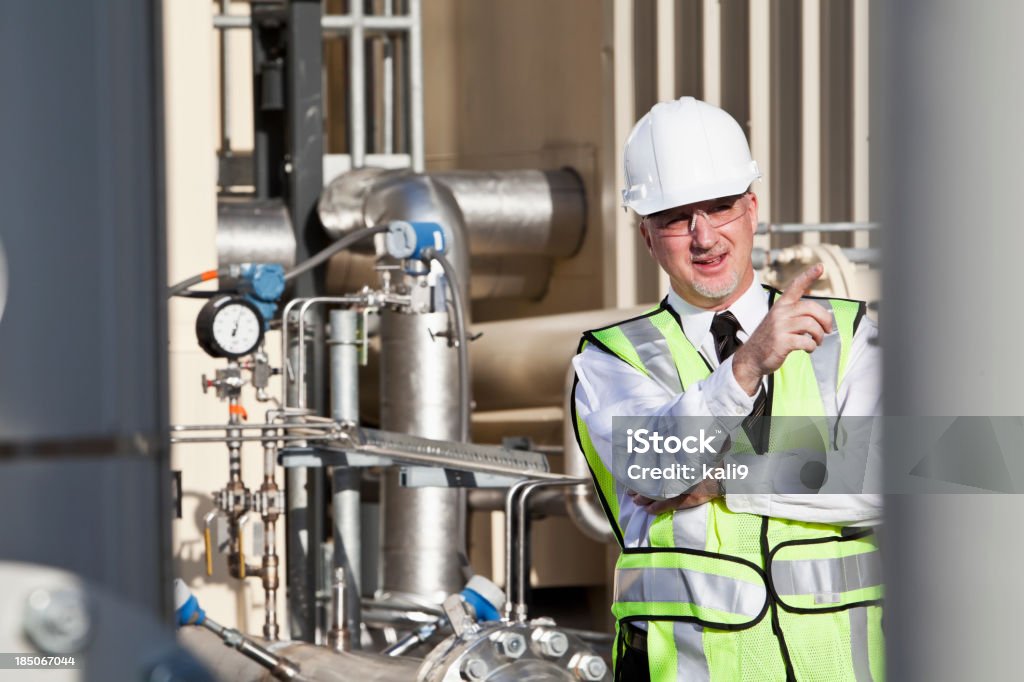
x,y
720,591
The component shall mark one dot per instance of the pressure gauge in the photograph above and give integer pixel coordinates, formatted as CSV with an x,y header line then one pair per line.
x,y
229,327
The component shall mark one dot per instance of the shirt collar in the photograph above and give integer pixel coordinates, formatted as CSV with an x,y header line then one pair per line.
x,y
749,309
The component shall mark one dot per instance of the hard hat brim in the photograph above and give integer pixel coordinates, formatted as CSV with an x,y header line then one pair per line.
x,y
645,206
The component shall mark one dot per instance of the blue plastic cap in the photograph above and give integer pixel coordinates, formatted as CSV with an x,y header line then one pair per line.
x,y
186,605
485,611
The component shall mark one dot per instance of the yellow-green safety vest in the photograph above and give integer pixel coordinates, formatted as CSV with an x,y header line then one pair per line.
x,y
736,597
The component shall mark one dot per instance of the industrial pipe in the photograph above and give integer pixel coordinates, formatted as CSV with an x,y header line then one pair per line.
x,y
344,342
422,553
315,662
522,363
254,231
516,222
581,501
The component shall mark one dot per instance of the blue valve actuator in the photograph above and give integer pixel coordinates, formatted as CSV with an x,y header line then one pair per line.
x,y
265,286
186,606
485,597
406,240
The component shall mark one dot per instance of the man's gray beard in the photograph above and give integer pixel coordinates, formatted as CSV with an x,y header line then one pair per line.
x,y
721,291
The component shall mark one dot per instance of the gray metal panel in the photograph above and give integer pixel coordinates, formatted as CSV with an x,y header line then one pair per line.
x,y
947,123
84,338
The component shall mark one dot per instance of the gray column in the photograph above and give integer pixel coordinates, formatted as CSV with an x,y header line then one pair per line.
x,y
948,147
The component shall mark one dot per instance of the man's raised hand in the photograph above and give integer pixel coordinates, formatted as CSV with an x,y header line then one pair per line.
x,y
791,324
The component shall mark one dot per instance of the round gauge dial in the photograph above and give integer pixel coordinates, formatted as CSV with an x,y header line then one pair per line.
x,y
229,327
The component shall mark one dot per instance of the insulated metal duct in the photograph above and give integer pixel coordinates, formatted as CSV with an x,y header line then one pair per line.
x,y
522,363
516,222
529,212
254,231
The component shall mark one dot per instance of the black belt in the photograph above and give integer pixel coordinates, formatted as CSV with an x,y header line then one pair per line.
x,y
634,637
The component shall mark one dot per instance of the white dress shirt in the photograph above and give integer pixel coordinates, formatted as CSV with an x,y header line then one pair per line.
x,y
609,387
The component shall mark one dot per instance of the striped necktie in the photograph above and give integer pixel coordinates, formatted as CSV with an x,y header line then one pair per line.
x,y
725,328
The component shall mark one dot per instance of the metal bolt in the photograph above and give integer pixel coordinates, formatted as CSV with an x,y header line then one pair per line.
x,y
473,669
511,644
57,621
553,644
590,668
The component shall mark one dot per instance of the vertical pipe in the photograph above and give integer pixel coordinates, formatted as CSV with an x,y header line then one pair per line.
x,y
357,84
225,94
416,86
861,120
301,589
344,354
340,636
667,28
389,85
423,534
271,510
345,481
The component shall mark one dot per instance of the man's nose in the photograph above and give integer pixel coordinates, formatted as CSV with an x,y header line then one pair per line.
x,y
702,235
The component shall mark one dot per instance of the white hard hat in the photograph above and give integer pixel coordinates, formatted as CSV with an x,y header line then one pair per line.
x,y
682,152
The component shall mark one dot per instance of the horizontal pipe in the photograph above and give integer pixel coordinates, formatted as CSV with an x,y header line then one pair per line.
x,y
522,363
545,503
250,427
229,21
514,212
528,212
254,231
252,439
341,23
315,663
859,256
331,23
790,228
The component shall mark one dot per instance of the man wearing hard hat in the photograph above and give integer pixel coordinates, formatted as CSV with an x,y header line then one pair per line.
x,y
712,585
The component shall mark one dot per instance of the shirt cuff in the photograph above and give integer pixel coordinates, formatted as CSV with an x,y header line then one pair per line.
x,y
749,504
724,396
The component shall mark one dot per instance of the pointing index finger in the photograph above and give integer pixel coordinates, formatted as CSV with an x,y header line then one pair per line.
x,y
799,286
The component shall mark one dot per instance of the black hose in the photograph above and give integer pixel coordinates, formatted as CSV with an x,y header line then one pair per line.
x,y
343,243
184,284
303,267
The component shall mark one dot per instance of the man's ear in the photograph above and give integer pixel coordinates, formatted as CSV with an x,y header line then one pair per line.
x,y
645,232
753,208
